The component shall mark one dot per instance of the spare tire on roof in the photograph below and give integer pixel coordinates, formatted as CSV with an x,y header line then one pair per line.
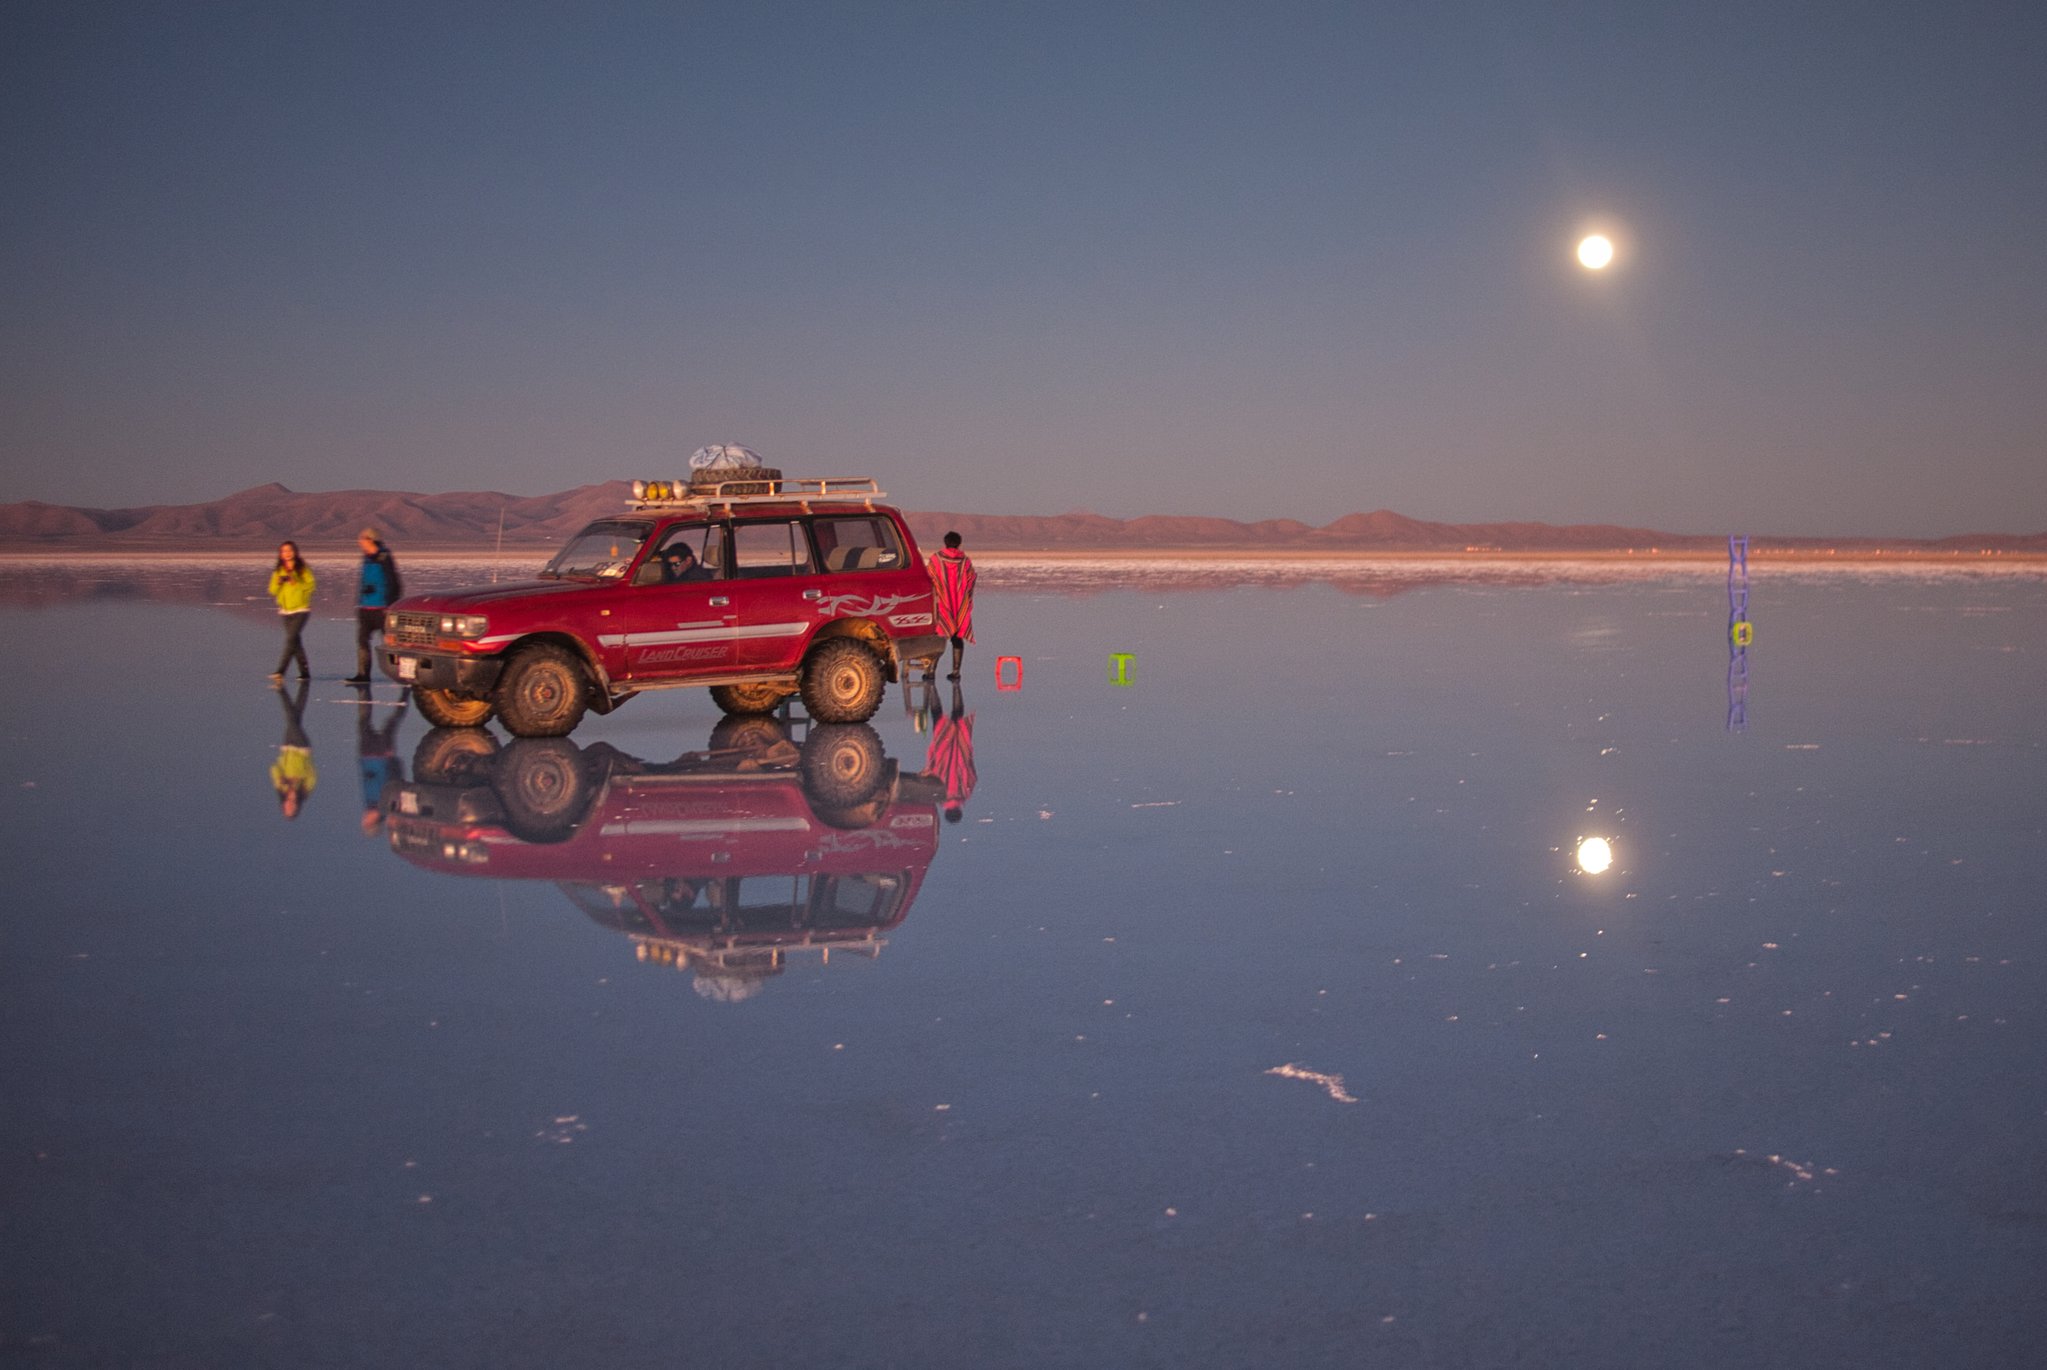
x,y
753,480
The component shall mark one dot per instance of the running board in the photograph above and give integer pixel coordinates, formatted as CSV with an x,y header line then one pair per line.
x,y
624,689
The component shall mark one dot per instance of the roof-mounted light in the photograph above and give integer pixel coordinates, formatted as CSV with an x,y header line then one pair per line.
x,y
743,487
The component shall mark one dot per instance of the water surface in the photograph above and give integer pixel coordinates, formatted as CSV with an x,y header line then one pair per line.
x,y
1257,1010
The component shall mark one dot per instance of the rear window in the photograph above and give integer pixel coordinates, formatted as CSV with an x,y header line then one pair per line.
x,y
863,542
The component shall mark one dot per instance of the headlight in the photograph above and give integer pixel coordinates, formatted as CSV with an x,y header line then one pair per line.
x,y
463,625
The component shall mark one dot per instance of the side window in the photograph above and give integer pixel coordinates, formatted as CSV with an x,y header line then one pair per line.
x,y
770,549
689,551
855,901
865,542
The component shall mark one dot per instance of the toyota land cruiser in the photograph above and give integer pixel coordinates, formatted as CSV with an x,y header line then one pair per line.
x,y
757,588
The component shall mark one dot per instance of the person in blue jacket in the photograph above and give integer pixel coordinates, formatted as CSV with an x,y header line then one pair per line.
x,y
380,588
376,754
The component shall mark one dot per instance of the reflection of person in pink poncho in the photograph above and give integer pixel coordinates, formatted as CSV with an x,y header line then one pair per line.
x,y
952,585
950,757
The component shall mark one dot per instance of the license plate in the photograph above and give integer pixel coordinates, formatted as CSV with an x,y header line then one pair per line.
x,y
408,668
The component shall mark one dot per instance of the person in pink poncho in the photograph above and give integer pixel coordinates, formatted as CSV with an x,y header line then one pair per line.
x,y
950,757
952,584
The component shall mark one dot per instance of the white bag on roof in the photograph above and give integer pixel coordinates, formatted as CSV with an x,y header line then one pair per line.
x,y
725,457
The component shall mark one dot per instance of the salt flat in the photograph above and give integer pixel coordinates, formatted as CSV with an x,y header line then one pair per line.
x,y
1257,1011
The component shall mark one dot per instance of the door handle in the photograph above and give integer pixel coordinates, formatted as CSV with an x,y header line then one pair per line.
x,y
719,601
813,594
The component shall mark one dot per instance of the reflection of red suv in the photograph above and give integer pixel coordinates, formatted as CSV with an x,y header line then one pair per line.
x,y
759,589
726,862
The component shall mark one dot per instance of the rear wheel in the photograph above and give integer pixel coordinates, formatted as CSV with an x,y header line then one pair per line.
x,y
843,764
544,784
842,681
747,699
446,709
542,692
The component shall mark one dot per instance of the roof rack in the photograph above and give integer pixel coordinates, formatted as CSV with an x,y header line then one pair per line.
x,y
756,489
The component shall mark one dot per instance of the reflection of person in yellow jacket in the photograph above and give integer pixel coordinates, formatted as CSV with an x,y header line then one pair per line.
x,y
291,585
293,774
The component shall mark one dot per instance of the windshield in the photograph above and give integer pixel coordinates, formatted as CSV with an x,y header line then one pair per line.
x,y
600,552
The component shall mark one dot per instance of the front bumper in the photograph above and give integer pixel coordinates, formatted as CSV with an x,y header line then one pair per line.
x,y
439,806
469,675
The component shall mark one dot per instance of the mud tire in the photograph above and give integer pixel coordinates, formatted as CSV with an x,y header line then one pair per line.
x,y
843,681
748,733
543,692
455,756
544,785
843,764
748,699
446,709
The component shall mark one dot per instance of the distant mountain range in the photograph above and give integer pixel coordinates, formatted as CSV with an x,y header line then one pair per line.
x,y
271,513
476,520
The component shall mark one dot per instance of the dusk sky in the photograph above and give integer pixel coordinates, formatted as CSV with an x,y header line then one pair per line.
x,y
1256,260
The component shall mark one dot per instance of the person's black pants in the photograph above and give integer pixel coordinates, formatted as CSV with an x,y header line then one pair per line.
x,y
959,645
295,718
368,622
294,624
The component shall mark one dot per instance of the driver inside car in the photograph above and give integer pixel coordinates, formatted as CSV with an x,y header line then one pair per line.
x,y
678,563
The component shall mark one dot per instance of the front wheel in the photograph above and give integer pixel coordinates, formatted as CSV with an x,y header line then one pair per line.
x,y
545,785
842,681
542,692
748,733
446,709
454,756
747,699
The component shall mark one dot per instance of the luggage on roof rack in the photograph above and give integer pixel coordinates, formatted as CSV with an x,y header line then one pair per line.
x,y
764,485
730,481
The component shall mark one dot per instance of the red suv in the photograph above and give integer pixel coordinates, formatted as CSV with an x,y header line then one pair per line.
x,y
760,589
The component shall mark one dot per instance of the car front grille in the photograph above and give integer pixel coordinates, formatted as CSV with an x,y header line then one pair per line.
x,y
411,630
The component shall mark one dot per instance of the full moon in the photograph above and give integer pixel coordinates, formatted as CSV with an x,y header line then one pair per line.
x,y
1595,252
1595,854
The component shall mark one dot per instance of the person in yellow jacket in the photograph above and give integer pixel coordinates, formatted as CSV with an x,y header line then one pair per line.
x,y
293,774
291,585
